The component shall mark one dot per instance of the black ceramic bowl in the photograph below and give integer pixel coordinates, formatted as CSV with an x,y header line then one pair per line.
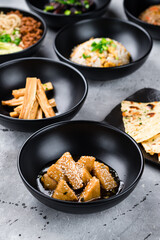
x,y
106,143
133,8
70,89
59,20
129,34
30,50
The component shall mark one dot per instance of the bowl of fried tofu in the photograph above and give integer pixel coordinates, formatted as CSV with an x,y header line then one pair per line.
x,y
36,92
80,166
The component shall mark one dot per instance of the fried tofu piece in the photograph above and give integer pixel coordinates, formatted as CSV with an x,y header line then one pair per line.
x,y
101,171
48,182
91,191
64,192
71,170
87,162
55,171
85,175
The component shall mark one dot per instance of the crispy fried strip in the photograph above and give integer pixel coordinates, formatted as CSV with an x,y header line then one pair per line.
x,y
39,113
13,102
43,101
14,114
17,110
30,104
20,92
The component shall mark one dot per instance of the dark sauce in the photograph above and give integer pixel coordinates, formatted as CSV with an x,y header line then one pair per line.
x,y
104,194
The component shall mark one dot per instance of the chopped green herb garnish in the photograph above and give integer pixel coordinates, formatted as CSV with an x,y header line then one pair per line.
x,y
86,4
101,45
117,58
48,8
67,12
15,31
5,38
140,123
77,12
114,45
46,88
85,56
16,41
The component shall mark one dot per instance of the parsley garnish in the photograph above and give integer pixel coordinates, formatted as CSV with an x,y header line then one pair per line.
x,y
67,12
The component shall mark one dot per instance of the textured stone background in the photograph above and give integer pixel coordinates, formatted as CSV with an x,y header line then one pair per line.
x,y
137,217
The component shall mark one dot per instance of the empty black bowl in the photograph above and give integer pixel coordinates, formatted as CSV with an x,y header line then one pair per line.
x,y
106,143
129,34
70,89
30,50
133,8
59,20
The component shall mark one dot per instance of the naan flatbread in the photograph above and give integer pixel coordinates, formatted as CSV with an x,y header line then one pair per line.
x,y
152,145
141,120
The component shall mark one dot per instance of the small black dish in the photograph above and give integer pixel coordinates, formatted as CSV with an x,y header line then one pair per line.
x,y
107,143
133,8
70,89
129,34
59,20
30,50
115,116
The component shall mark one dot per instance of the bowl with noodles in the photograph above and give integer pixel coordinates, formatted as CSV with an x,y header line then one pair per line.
x,y
21,33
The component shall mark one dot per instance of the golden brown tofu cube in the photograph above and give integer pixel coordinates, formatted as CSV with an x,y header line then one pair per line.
x,y
87,162
64,192
101,171
48,183
85,175
55,171
91,191
71,170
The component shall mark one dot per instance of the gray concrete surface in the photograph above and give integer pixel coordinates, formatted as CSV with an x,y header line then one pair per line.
x,y
137,217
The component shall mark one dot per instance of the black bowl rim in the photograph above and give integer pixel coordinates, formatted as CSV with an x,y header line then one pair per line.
x,y
101,201
8,118
105,19
16,54
62,15
136,19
